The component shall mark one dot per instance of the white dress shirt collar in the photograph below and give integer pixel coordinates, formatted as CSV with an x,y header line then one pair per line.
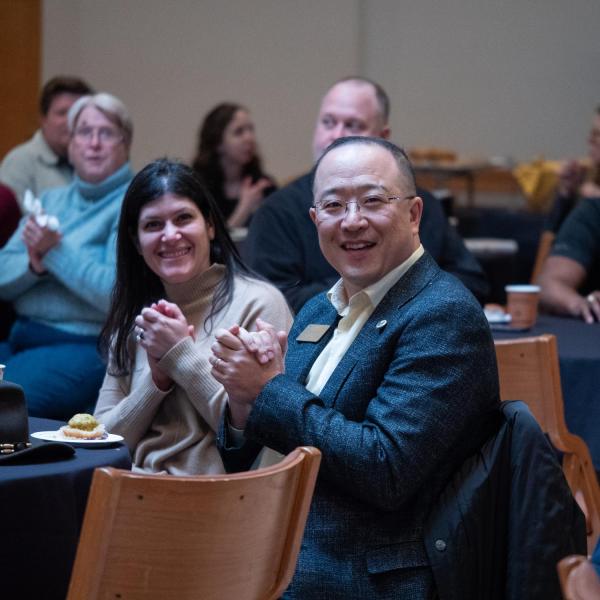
x,y
375,292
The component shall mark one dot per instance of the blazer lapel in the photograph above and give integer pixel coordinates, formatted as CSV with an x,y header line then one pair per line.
x,y
384,315
416,278
302,355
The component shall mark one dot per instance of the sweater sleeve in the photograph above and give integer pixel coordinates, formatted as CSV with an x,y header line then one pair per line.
x,y
266,303
87,271
129,410
15,275
188,366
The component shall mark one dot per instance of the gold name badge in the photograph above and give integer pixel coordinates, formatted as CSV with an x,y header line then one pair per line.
x,y
312,333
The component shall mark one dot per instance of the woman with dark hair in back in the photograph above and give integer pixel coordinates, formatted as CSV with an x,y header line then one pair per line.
x,y
179,278
227,159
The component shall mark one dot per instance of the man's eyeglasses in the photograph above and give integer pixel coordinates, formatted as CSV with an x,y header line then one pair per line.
x,y
106,135
369,205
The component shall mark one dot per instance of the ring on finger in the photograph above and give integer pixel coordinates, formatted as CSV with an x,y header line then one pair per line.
x,y
591,298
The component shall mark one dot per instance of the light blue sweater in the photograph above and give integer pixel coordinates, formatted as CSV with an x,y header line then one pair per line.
x,y
74,295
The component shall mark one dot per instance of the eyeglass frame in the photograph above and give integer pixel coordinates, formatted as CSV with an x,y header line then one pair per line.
x,y
318,206
85,133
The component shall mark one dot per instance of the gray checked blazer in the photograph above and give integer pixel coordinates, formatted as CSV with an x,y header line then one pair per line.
x,y
404,407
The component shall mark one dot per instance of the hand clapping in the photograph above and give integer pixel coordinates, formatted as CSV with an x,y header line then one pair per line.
x,y
570,177
589,307
38,240
251,193
243,362
159,328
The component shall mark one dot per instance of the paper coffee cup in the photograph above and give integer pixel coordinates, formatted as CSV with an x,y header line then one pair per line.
x,y
522,305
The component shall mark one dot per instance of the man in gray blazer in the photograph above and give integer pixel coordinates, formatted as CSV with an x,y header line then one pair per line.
x,y
391,374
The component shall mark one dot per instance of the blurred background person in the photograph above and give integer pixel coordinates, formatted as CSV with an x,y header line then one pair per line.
x,y
179,279
282,243
570,276
228,161
42,162
59,280
10,214
577,179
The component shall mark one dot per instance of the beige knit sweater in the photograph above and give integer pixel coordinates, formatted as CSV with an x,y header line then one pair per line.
x,y
174,431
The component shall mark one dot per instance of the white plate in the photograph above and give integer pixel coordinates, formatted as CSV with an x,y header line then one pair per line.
x,y
495,316
57,436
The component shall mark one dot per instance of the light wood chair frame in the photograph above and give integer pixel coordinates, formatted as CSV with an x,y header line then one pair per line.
x,y
215,537
529,370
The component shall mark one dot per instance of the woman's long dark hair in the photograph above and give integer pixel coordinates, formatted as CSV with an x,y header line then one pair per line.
x,y
136,285
210,136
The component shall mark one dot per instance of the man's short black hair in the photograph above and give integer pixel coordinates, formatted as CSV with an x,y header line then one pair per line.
x,y
404,165
62,84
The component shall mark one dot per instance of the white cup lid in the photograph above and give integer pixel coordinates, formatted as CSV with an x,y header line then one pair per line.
x,y
523,288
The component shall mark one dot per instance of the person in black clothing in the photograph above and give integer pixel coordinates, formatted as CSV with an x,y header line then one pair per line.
x,y
570,277
577,180
282,243
228,161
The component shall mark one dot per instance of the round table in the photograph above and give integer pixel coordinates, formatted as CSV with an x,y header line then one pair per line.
x,y
579,355
42,508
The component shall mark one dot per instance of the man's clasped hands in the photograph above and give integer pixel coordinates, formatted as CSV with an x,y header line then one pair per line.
x,y
244,361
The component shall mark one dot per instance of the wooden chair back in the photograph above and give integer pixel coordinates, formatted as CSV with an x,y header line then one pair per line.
x,y
163,537
544,247
529,371
578,578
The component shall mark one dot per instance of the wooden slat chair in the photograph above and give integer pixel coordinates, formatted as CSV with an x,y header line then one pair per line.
x,y
578,578
162,537
529,371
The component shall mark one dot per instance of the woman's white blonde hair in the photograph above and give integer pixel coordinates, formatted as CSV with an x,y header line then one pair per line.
x,y
110,106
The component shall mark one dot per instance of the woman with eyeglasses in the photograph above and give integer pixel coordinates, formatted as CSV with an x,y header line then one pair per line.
x,y
228,161
179,279
58,267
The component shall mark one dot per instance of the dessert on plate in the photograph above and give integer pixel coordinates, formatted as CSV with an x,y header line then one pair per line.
x,y
83,427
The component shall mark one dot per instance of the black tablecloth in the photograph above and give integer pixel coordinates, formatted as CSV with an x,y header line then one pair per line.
x,y
579,354
41,511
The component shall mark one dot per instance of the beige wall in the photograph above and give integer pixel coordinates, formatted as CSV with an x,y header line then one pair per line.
x,y
172,60
506,78
511,77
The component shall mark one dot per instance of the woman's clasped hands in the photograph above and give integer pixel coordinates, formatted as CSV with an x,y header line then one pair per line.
x,y
159,327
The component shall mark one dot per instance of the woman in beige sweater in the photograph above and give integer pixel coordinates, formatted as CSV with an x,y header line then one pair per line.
x,y
179,278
